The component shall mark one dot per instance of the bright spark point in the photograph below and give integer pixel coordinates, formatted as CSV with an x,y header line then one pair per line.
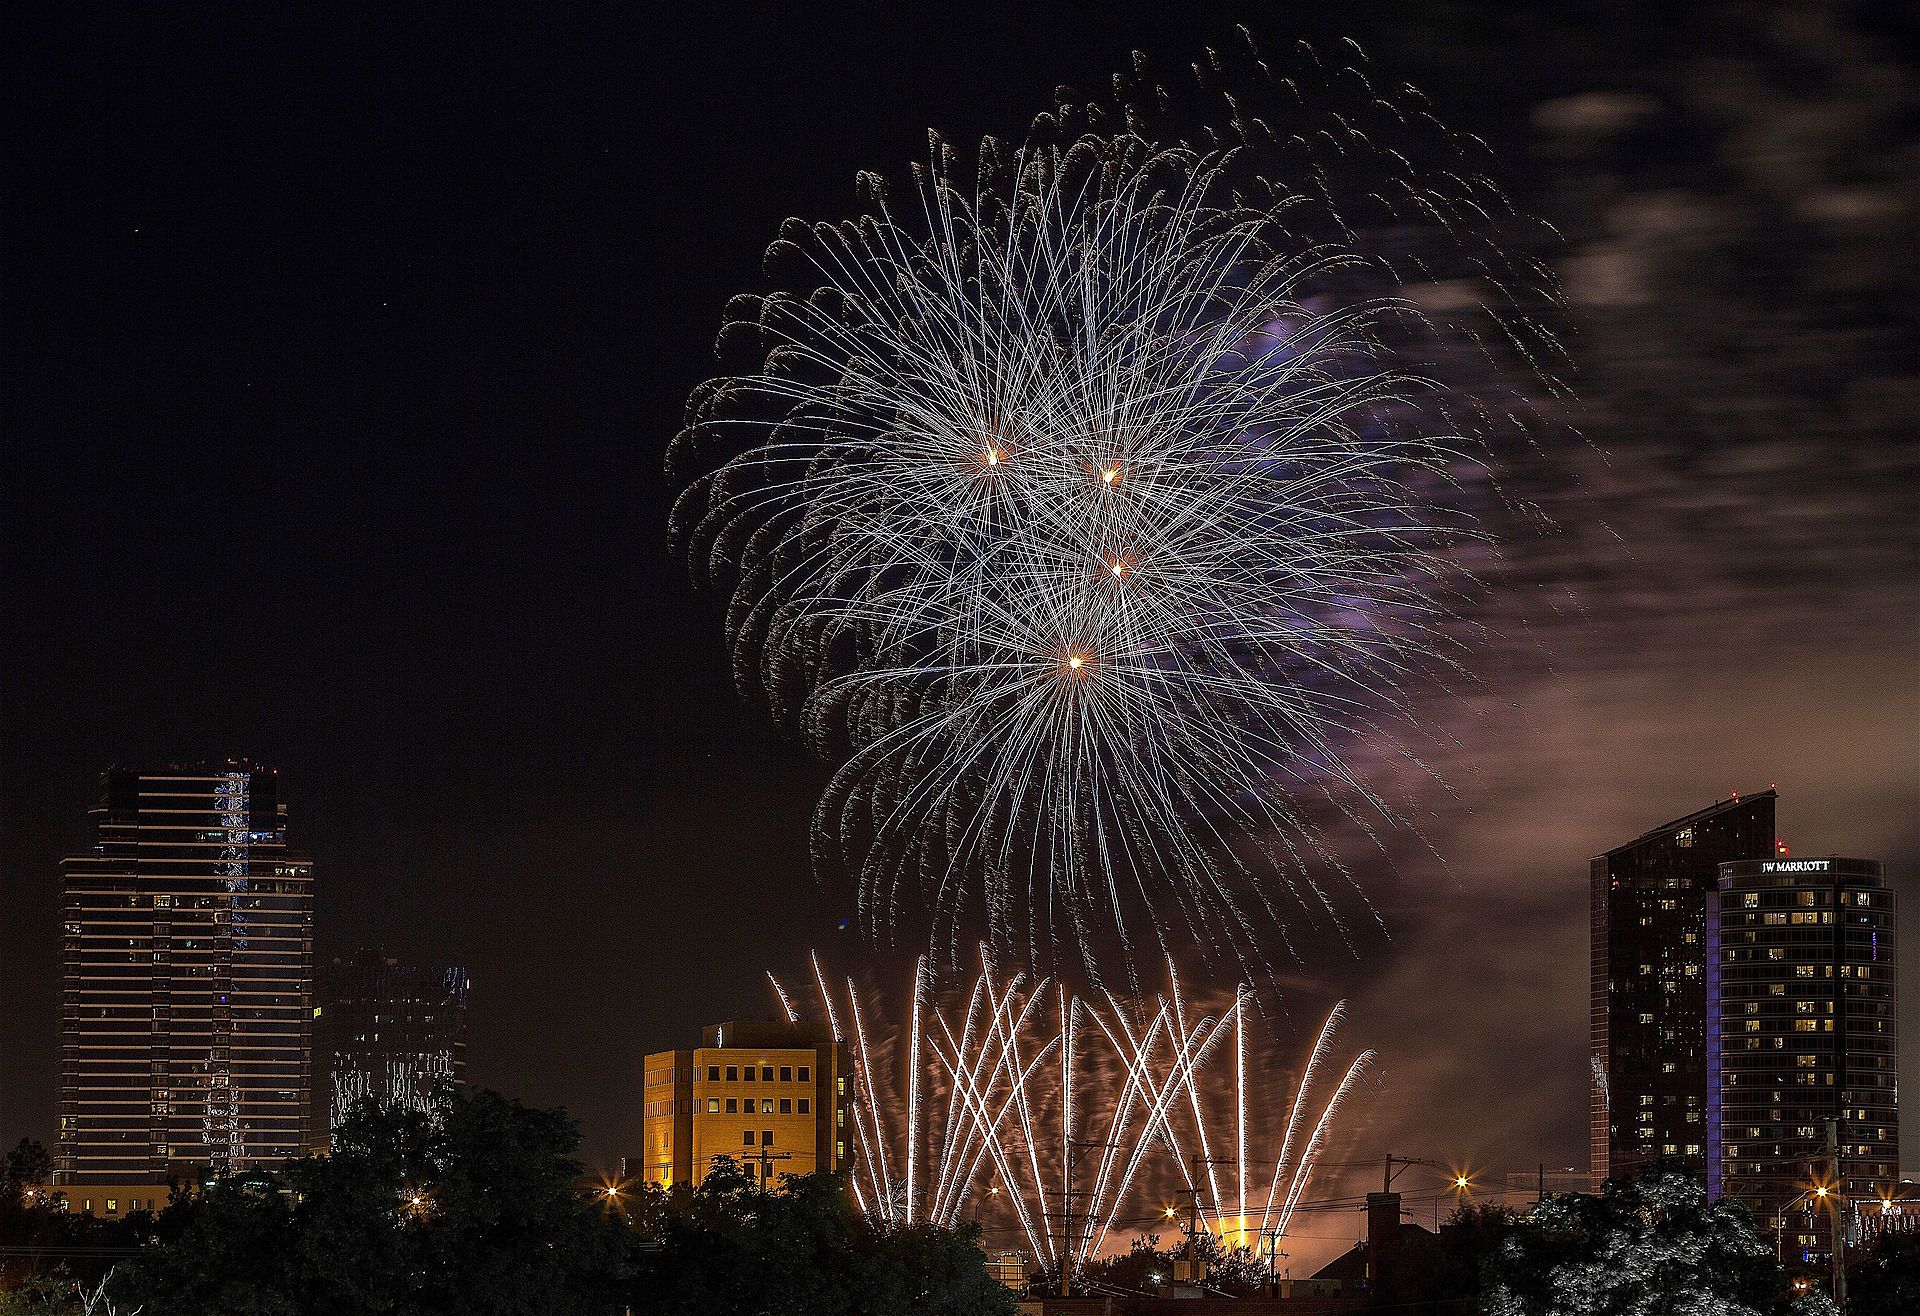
x,y
1109,475
1076,662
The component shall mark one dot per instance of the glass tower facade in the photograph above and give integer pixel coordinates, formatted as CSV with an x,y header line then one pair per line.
x,y
1648,1001
391,1033
187,984
1802,1044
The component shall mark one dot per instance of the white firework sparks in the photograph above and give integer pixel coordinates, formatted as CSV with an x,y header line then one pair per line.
x,y
1091,511
1062,1109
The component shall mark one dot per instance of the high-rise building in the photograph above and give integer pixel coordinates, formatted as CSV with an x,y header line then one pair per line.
x,y
775,1097
1648,1002
1801,1043
392,1033
187,993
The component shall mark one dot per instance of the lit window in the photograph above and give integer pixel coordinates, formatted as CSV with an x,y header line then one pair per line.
x,y
766,1106
713,1105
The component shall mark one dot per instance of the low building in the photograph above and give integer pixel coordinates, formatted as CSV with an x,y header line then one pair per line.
x,y
774,1097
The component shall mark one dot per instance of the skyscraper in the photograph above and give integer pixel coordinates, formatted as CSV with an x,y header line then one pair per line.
x,y
774,1097
389,1032
1648,1001
1801,1043
187,992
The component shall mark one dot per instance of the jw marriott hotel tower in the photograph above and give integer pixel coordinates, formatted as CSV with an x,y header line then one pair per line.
x,y
187,994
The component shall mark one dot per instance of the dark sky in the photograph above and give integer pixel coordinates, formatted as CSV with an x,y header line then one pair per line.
x,y
344,342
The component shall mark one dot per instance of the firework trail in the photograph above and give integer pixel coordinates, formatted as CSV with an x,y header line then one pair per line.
x,y
1017,1089
1097,508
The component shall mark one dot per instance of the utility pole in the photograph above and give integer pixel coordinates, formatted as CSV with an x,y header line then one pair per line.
x,y
1196,1265
1193,1234
766,1159
1835,1230
1404,1162
1074,1145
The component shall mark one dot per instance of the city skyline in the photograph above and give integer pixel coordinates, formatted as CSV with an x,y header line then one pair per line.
x,y
382,508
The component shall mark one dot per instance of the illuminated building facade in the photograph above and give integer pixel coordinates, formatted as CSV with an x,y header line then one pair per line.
x,y
1648,994
776,1097
1802,1051
391,1033
187,985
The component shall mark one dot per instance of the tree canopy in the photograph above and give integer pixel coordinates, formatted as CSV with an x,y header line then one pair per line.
x,y
1647,1246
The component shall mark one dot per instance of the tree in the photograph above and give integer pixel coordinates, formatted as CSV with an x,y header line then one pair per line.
x,y
1885,1280
1648,1246
45,1293
476,1213
27,1166
1146,1266
730,1246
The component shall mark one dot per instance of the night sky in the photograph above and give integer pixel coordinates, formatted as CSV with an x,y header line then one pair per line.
x,y
344,343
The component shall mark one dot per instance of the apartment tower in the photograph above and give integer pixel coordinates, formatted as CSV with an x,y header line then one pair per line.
x,y
388,1032
187,992
1648,996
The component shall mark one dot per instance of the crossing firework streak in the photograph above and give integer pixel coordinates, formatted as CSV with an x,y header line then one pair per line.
x,y
1097,507
1064,1108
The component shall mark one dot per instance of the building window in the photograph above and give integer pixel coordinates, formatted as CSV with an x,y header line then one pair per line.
x,y
746,1137
733,1073
786,1073
733,1105
786,1105
748,1166
766,1073
713,1105
805,1074
766,1137
766,1105
806,1106
713,1073
749,1075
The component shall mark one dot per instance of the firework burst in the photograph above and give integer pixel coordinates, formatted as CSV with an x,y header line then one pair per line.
x,y
1091,507
1063,1109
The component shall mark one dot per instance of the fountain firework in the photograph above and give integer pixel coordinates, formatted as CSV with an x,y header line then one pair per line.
x,y
1068,1106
